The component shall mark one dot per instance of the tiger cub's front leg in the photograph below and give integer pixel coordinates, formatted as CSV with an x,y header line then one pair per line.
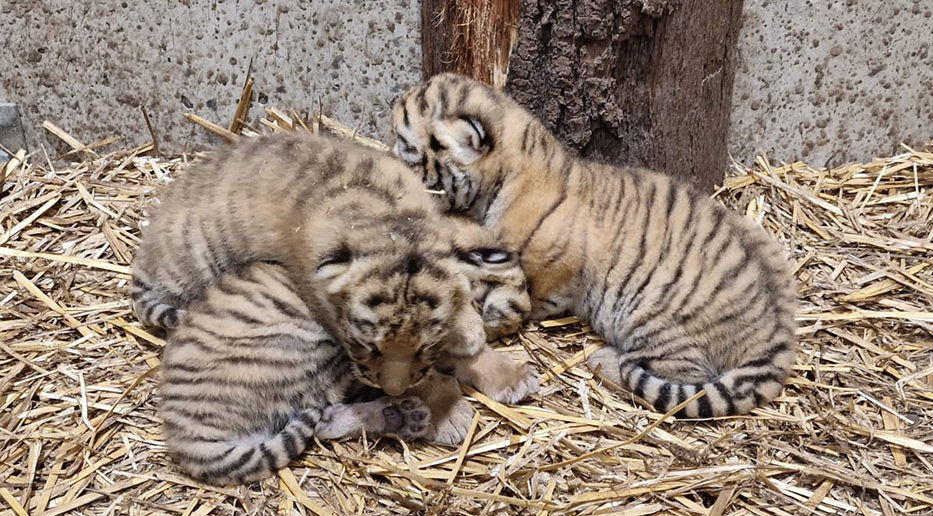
x,y
495,374
500,293
497,282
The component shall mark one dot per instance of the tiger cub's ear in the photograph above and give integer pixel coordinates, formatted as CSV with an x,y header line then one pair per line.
x,y
465,137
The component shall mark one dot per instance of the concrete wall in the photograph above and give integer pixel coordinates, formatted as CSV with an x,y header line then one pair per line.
x,y
833,81
825,81
88,66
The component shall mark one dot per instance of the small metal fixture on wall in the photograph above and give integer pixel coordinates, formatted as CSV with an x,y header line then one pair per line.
x,y
12,137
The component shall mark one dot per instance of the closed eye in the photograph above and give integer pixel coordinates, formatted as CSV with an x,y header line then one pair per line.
x,y
376,300
406,151
406,147
341,255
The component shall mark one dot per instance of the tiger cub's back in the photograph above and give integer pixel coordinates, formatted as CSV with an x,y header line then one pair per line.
x,y
246,377
256,200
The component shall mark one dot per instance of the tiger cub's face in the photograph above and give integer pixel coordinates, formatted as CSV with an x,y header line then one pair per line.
x,y
395,298
431,137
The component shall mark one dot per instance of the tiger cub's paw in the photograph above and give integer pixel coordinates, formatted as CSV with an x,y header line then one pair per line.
x,y
516,381
453,426
451,413
505,308
407,417
495,374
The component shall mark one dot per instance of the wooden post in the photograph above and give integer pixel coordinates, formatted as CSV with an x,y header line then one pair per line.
x,y
472,37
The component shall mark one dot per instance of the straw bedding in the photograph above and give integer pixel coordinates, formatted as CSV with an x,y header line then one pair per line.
x,y
851,434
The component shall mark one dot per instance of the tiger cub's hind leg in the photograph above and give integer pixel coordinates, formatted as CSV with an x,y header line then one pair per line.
x,y
406,417
607,361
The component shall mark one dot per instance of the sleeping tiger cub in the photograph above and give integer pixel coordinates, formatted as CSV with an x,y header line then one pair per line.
x,y
249,379
386,276
690,295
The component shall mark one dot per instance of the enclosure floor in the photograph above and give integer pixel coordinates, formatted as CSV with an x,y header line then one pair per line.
x,y
852,433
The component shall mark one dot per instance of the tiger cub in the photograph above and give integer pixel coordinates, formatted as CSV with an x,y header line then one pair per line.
x,y
249,379
385,275
379,269
690,295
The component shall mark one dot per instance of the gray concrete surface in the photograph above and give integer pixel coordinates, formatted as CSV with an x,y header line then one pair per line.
x,y
827,82
832,82
89,66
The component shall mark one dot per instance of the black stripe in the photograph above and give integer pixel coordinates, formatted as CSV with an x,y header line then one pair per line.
x,y
334,165
210,253
178,341
492,196
696,284
405,120
525,136
138,282
288,441
149,308
306,418
650,199
419,98
614,244
664,396
271,460
443,99
665,250
513,305
726,277
681,397
726,395
757,379
548,213
287,308
235,465
704,409
643,378
201,460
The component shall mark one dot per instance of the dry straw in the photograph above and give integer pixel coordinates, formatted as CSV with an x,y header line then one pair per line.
x,y
851,434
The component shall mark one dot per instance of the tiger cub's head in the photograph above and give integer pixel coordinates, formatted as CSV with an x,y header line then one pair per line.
x,y
446,129
393,293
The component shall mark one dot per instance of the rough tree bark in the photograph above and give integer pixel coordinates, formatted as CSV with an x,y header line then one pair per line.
x,y
631,82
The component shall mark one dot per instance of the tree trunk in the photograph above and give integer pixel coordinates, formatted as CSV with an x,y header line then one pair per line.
x,y
631,82
646,83
471,37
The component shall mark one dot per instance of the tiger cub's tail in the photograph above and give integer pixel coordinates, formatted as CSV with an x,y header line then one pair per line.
x,y
227,462
150,305
752,383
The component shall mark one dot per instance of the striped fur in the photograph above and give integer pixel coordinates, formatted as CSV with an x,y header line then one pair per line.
x,y
384,273
249,379
690,295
